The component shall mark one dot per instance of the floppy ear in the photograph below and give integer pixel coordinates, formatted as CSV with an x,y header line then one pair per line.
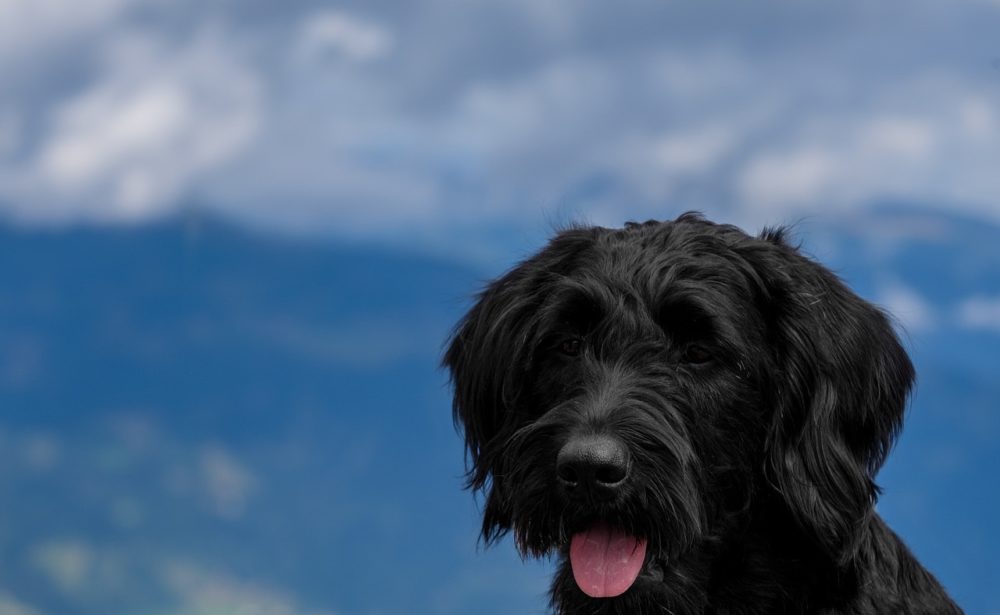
x,y
489,355
487,352
840,396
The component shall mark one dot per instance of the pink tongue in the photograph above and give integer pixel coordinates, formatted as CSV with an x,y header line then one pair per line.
x,y
605,561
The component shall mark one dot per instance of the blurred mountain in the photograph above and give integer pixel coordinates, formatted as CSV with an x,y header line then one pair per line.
x,y
196,419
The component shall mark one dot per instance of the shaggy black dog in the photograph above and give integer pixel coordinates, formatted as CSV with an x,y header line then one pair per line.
x,y
691,420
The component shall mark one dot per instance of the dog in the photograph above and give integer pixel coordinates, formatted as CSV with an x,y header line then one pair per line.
x,y
690,419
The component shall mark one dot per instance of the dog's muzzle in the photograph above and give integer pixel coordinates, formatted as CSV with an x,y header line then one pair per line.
x,y
606,561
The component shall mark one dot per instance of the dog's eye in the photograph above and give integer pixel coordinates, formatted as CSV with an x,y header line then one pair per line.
x,y
571,347
697,354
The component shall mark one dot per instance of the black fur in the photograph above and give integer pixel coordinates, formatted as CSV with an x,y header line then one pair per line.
x,y
757,397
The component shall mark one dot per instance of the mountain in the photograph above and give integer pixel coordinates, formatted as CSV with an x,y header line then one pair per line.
x,y
198,419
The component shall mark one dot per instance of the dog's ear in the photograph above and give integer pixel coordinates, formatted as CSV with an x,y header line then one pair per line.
x,y
840,395
486,350
490,353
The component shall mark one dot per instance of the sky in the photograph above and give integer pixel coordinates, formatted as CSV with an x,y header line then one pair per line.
x,y
447,121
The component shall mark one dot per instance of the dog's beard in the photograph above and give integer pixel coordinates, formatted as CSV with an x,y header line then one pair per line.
x,y
606,542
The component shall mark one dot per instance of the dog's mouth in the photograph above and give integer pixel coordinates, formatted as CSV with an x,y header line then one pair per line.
x,y
606,561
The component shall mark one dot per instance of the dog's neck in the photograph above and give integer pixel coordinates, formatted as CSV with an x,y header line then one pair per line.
x,y
778,568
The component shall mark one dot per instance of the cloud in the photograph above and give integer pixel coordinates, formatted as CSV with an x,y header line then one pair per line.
x,y
202,591
136,138
228,484
382,121
338,32
69,565
693,152
791,177
928,140
131,144
82,571
26,26
980,313
912,311
9,605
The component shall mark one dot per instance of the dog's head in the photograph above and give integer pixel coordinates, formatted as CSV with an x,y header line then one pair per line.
x,y
630,395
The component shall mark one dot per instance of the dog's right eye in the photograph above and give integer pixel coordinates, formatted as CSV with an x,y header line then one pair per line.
x,y
571,347
697,355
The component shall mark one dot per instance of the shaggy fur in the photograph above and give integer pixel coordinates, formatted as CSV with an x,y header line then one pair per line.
x,y
755,397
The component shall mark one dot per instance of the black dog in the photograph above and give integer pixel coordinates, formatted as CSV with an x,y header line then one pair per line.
x,y
691,419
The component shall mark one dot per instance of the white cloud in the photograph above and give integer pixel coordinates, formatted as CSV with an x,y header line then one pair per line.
x,y
907,137
693,152
132,143
977,118
906,305
980,313
928,140
386,123
68,564
202,591
682,75
227,482
9,605
789,178
338,32
29,25
502,116
102,129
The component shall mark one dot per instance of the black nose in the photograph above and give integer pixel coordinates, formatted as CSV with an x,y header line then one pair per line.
x,y
595,464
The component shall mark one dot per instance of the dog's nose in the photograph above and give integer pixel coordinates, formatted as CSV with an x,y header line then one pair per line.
x,y
595,464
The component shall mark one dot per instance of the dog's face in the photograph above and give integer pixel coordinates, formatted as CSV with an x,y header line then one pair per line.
x,y
631,398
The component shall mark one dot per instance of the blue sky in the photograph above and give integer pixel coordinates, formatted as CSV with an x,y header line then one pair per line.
x,y
441,121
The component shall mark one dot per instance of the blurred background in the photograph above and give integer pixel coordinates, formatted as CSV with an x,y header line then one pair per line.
x,y
235,235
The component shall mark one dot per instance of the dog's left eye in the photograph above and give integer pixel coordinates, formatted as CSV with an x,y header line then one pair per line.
x,y
571,347
697,354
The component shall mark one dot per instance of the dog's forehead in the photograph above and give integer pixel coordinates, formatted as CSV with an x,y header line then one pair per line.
x,y
653,261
